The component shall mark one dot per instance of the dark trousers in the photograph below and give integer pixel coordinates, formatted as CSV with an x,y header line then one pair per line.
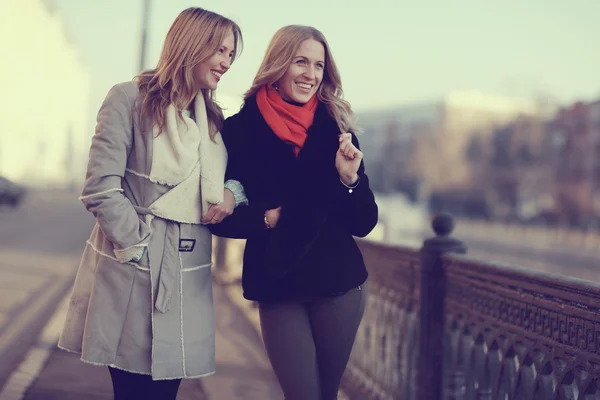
x,y
309,342
130,386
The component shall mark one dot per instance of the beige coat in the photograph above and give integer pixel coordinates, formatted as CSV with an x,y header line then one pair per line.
x,y
154,316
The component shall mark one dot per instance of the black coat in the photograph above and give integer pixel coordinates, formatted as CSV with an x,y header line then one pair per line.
x,y
312,251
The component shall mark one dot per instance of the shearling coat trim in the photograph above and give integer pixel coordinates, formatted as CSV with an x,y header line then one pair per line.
x,y
126,255
103,254
185,156
150,319
101,193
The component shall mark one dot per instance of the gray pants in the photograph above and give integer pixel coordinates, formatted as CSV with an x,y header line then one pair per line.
x,y
309,342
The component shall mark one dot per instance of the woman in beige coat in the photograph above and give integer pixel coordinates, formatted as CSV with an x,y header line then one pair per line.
x,y
142,301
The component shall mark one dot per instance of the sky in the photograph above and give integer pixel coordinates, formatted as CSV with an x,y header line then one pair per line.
x,y
388,52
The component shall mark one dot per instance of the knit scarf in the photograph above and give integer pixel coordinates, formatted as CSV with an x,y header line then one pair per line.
x,y
289,122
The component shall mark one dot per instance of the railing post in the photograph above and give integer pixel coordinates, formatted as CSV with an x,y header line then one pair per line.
x,y
433,288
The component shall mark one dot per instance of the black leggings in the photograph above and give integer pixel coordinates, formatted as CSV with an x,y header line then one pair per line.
x,y
309,342
130,386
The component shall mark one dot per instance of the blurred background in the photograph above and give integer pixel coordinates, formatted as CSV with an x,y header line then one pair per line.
x,y
487,110
490,111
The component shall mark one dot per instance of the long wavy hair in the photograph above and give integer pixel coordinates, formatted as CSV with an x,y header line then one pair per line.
x,y
195,36
278,58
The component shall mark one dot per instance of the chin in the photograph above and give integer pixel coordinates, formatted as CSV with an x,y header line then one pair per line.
x,y
301,98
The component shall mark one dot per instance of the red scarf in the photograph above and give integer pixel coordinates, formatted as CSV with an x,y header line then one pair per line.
x,y
288,121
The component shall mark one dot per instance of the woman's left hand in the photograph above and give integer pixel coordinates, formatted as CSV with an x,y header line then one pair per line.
x,y
348,159
218,212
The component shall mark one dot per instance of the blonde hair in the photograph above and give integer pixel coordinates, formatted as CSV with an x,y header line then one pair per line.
x,y
279,56
195,36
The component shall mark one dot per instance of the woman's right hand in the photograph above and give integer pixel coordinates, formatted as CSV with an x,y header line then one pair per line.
x,y
272,217
218,212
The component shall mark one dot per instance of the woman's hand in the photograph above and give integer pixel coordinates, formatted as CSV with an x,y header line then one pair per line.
x,y
348,159
218,212
272,217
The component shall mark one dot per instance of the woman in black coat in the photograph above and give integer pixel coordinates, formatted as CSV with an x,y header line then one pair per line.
x,y
292,149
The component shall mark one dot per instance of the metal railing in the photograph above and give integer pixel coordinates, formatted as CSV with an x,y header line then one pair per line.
x,y
444,326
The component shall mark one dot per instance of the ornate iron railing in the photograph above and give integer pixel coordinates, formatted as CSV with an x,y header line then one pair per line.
x,y
382,364
517,334
444,326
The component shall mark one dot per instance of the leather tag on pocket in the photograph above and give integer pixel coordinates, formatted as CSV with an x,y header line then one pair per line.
x,y
187,245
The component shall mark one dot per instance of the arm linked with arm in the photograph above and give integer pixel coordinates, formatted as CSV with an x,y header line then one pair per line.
x,y
248,217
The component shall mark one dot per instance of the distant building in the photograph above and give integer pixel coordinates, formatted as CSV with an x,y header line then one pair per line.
x,y
426,143
573,153
543,169
43,136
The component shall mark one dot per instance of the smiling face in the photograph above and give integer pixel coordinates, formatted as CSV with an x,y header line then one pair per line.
x,y
305,74
208,73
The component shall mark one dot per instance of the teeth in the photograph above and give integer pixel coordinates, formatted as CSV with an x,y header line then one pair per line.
x,y
305,85
217,74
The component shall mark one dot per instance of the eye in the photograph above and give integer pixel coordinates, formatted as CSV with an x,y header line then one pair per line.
x,y
320,66
300,61
221,50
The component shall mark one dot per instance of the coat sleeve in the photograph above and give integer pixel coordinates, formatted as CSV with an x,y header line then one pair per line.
x,y
246,220
102,192
356,208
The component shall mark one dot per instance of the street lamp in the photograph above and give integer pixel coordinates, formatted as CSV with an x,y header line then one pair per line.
x,y
145,17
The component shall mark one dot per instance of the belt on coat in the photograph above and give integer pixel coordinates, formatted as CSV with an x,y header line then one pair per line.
x,y
169,263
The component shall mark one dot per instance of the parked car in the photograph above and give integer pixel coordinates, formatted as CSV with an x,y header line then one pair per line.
x,y
10,193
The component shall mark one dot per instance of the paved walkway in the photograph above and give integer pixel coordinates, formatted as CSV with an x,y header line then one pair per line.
x,y
243,371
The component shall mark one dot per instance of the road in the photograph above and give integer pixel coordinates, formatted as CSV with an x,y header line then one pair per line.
x,y
40,245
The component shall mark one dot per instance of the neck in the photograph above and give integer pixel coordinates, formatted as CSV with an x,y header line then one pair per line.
x,y
294,103
289,101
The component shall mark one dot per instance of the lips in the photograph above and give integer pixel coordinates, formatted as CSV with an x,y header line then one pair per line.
x,y
216,74
305,87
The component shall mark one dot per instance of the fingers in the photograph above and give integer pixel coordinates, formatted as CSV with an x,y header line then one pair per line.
x,y
209,214
345,136
347,149
216,214
273,216
220,215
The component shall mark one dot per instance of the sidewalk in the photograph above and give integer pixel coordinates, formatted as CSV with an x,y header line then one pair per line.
x,y
243,370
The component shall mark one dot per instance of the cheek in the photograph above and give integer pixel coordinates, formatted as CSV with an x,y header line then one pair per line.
x,y
289,79
197,71
292,73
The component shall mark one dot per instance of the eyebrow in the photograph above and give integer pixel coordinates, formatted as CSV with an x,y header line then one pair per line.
x,y
306,58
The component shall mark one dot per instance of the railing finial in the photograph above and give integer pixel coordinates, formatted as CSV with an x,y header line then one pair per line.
x,y
443,224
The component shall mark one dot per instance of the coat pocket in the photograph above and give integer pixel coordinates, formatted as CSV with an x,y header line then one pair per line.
x,y
198,319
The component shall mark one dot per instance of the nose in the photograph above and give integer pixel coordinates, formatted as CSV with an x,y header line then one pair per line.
x,y
310,72
226,63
